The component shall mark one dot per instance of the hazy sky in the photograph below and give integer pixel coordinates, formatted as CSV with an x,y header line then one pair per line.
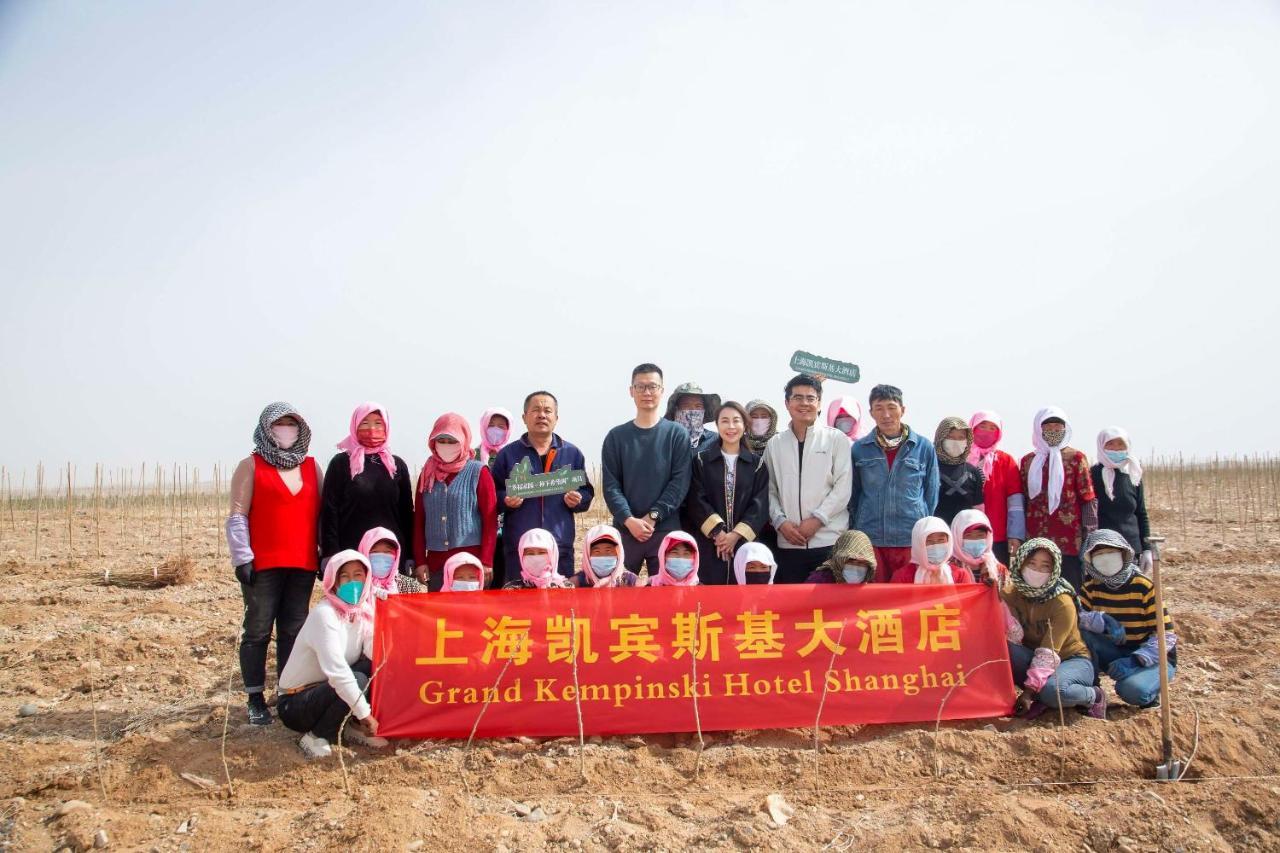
x,y
206,207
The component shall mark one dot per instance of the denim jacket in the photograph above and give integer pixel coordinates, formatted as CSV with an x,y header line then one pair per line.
x,y
886,503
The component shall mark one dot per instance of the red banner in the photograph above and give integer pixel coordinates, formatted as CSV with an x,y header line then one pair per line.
x,y
753,656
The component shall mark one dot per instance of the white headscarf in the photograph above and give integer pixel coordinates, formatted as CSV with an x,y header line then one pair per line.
x,y
753,552
1130,466
1057,476
926,572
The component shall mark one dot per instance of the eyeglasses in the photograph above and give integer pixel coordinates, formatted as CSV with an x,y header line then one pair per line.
x,y
647,388
804,398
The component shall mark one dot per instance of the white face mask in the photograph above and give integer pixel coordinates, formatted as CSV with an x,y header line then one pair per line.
x,y
496,436
286,436
953,447
853,573
1108,564
760,426
448,452
537,564
465,586
845,425
1035,579
937,554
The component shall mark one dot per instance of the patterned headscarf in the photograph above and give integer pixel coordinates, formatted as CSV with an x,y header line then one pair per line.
x,y
1109,539
940,434
356,451
264,443
757,442
1055,586
851,545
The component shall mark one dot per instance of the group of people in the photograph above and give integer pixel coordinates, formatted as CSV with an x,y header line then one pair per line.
x,y
703,492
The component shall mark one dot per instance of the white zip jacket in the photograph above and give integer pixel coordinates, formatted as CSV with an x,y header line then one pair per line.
x,y
818,489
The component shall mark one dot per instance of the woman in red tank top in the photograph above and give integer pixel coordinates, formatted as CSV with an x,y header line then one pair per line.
x,y
272,537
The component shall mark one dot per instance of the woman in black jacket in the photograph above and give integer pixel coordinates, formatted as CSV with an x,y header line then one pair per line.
x,y
728,500
1122,506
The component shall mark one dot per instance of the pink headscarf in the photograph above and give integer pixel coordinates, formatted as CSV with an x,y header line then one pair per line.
x,y
847,406
356,451
594,535
925,571
456,562
965,519
487,449
371,538
539,538
664,579
349,612
986,459
436,471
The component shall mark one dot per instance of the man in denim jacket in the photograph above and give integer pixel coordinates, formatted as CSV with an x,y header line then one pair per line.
x,y
895,482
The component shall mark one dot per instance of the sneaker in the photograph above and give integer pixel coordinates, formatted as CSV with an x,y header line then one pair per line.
x,y
315,747
1098,710
259,713
1035,711
354,734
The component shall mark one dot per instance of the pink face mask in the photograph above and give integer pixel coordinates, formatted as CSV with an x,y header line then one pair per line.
x,y
985,439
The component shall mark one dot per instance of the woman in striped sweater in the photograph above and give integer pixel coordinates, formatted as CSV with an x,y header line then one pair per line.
x,y
1118,619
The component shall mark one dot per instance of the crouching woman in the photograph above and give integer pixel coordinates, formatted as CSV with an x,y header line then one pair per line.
x,y
1044,606
328,670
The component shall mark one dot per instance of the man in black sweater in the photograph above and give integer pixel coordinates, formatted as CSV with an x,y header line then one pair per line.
x,y
646,464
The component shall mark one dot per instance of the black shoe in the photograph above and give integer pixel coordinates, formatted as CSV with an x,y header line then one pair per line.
x,y
259,713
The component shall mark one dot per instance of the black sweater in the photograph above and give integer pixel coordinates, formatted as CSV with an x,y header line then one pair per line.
x,y
1126,513
952,497
349,508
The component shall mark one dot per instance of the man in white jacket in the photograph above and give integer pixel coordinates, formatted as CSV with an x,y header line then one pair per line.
x,y
809,481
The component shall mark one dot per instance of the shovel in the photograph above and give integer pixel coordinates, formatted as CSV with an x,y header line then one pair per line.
x,y
1169,769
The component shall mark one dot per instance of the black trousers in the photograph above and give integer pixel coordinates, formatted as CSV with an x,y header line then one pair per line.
x,y
796,564
278,598
319,709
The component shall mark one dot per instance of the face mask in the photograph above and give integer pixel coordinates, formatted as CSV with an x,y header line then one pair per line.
x,y
382,564
854,574
1035,579
448,452
986,440
760,426
1108,564
465,586
1119,457
496,436
974,548
371,437
757,577
691,419
285,436
679,567
537,564
845,425
1053,437
953,447
350,592
603,566
936,554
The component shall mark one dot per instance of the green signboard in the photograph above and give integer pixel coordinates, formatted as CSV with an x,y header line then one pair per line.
x,y
523,483
816,365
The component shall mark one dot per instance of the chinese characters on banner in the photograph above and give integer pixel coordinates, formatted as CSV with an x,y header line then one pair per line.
x,y
764,655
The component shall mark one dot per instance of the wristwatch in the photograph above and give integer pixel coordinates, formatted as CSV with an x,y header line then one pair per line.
x,y
653,516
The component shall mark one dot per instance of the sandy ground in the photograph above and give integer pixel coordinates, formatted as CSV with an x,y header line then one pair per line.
x,y
158,663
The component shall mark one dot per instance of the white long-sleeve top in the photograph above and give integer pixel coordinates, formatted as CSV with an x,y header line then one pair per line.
x,y
818,489
326,647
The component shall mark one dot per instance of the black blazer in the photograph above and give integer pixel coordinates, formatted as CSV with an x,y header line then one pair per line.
x,y
705,504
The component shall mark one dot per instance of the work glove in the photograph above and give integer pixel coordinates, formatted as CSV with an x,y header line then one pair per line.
x,y
1097,622
1148,654
245,573
1122,668
1145,562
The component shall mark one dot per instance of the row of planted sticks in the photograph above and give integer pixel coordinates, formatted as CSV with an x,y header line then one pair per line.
x,y
156,502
